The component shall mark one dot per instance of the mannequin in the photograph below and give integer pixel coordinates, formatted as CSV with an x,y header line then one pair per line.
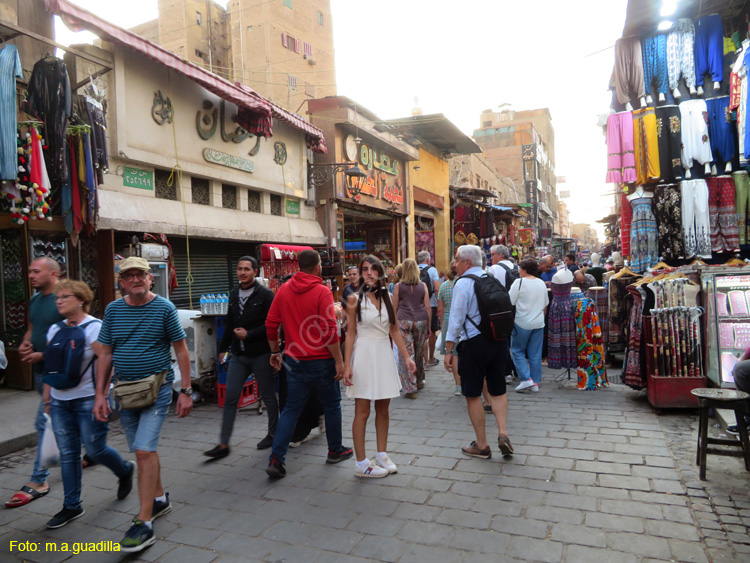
x,y
595,259
640,193
617,257
650,99
562,351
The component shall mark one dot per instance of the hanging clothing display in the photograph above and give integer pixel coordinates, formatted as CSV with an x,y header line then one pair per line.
x,y
634,366
592,373
644,248
629,84
655,62
667,208
696,146
646,146
720,129
722,209
561,349
626,216
10,69
709,48
669,135
619,311
50,99
696,223
620,155
680,55
601,303
742,198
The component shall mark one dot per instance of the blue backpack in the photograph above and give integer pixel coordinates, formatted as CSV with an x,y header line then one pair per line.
x,y
63,358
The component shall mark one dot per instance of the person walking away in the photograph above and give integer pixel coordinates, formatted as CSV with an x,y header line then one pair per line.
x,y
529,295
479,359
411,303
368,373
445,294
429,275
245,335
44,273
312,358
72,406
135,339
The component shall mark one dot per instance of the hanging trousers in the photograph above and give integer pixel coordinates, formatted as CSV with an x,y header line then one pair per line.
x,y
680,57
709,48
742,194
696,223
655,63
646,145
620,157
626,218
696,146
629,84
722,208
720,130
669,134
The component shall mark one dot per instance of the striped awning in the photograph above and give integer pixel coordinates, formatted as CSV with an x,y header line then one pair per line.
x,y
255,114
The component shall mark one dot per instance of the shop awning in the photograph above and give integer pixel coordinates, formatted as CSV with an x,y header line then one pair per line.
x,y
255,113
279,252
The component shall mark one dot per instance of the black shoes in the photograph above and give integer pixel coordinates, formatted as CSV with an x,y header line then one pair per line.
x,y
341,455
65,516
217,453
137,538
125,484
161,508
265,443
275,469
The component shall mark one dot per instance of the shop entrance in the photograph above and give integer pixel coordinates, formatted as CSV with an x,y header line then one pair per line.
x,y
369,234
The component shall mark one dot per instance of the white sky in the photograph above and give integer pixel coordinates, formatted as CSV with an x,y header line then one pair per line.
x,y
460,58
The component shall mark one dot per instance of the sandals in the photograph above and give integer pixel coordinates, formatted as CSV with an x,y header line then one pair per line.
x,y
19,499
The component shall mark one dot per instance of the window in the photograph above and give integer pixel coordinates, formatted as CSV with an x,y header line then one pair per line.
x,y
291,82
284,39
297,45
253,201
200,189
307,48
200,54
288,4
275,204
309,89
198,18
320,18
162,188
486,124
228,196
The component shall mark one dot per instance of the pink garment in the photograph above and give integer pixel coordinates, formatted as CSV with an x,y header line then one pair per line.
x,y
620,155
626,218
721,305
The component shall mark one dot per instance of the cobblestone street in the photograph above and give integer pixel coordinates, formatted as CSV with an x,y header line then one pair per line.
x,y
597,476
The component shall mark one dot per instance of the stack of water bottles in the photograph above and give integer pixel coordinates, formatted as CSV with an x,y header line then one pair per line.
x,y
214,304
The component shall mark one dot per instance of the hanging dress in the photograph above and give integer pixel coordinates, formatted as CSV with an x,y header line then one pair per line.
x,y
634,365
10,69
644,236
561,349
667,208
592,373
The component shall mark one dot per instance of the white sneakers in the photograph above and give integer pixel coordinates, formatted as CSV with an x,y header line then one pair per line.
x,y
525,385
382,460
380,466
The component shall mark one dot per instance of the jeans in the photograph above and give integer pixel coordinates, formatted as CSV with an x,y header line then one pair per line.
x,y
40,474
527,343
302,377
74,423
143,426
240,367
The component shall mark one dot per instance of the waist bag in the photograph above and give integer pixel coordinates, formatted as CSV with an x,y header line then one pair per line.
x,y
140,393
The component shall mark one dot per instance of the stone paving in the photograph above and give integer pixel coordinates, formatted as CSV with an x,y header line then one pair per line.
x,y
597,476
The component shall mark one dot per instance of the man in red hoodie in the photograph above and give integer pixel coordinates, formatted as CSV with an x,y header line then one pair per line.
x,y
312,357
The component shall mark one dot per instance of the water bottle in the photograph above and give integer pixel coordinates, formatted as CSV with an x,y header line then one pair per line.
x,y
226,303
211,304
222,304
203,304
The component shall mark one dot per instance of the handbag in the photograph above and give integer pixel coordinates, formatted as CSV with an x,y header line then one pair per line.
x,y
140,393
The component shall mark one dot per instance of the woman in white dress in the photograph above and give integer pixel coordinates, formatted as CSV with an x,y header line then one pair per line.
x,y
370,372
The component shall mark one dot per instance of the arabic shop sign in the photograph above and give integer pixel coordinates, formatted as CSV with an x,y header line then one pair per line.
x,y
209,118
228,160
137,178
376,185
292,207
370,159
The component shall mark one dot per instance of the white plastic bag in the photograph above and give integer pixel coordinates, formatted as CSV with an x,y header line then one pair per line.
x,y
49,456
3,359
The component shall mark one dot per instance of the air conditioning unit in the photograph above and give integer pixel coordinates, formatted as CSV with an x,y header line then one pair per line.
x,y
311,61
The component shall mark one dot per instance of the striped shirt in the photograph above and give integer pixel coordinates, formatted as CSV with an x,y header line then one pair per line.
x,y
141,337
10,69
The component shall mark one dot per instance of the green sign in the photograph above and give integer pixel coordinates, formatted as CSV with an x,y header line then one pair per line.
x,y
292,207
137,178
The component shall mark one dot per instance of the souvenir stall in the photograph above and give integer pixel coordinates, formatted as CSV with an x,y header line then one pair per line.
x,y
278,261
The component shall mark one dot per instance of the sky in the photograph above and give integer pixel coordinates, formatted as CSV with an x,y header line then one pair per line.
x,y
460,58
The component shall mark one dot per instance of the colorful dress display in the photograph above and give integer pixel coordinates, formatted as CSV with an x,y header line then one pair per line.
x,y
592,373
667,208
561,350
644,236
635,361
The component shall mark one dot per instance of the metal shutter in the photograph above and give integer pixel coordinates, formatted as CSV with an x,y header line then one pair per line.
x,y
210,267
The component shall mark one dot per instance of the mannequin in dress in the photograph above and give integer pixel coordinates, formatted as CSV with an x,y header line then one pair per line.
x,y
562,327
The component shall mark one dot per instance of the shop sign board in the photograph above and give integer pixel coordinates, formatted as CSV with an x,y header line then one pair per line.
x,y
384,179
564,194
228,160
292,206
370,159
137,178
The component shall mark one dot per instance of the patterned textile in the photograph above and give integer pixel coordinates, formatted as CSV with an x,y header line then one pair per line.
x,y
680,57
10,69
561,350
646,146
414,334
722,209
601,303
634,374
667,204
619,312
644,249
592,373
626,216
696,223
655,62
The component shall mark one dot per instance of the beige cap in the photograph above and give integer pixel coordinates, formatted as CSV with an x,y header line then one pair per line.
x,y
134,263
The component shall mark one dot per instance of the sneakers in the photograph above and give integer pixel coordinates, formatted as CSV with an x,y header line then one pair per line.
x,y
298,443
733,430
535,389
432,363
474,451
525,385
369,471
385,462
410,395
137,538
64,516
217,453
125,484
265,443
503,442
457,391
161,507
275,469
341,455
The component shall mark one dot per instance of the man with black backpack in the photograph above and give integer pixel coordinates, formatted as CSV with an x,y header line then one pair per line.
x,y
482,319
429,275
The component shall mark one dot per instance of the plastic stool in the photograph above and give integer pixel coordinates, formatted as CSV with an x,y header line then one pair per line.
x,y
721,399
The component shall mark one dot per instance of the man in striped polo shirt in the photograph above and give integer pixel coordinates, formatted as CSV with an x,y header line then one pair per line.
x,y
136,336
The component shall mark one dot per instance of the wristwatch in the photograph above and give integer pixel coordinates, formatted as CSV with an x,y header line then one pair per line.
x,y
188,391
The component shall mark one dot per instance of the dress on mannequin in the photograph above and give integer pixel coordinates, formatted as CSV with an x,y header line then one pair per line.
x,y
562,329
644,235
592,373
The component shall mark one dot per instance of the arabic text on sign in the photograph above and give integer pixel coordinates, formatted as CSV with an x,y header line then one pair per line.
x,y
136,178
370,158
377,187
228,160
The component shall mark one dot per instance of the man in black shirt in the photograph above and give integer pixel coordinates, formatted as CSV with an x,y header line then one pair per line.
x,y
352,286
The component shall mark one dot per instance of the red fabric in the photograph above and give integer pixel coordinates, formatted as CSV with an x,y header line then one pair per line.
x,y
288,252
304,306
74,188
626,217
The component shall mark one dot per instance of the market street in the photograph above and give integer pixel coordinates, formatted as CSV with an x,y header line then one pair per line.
x,y
597,476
